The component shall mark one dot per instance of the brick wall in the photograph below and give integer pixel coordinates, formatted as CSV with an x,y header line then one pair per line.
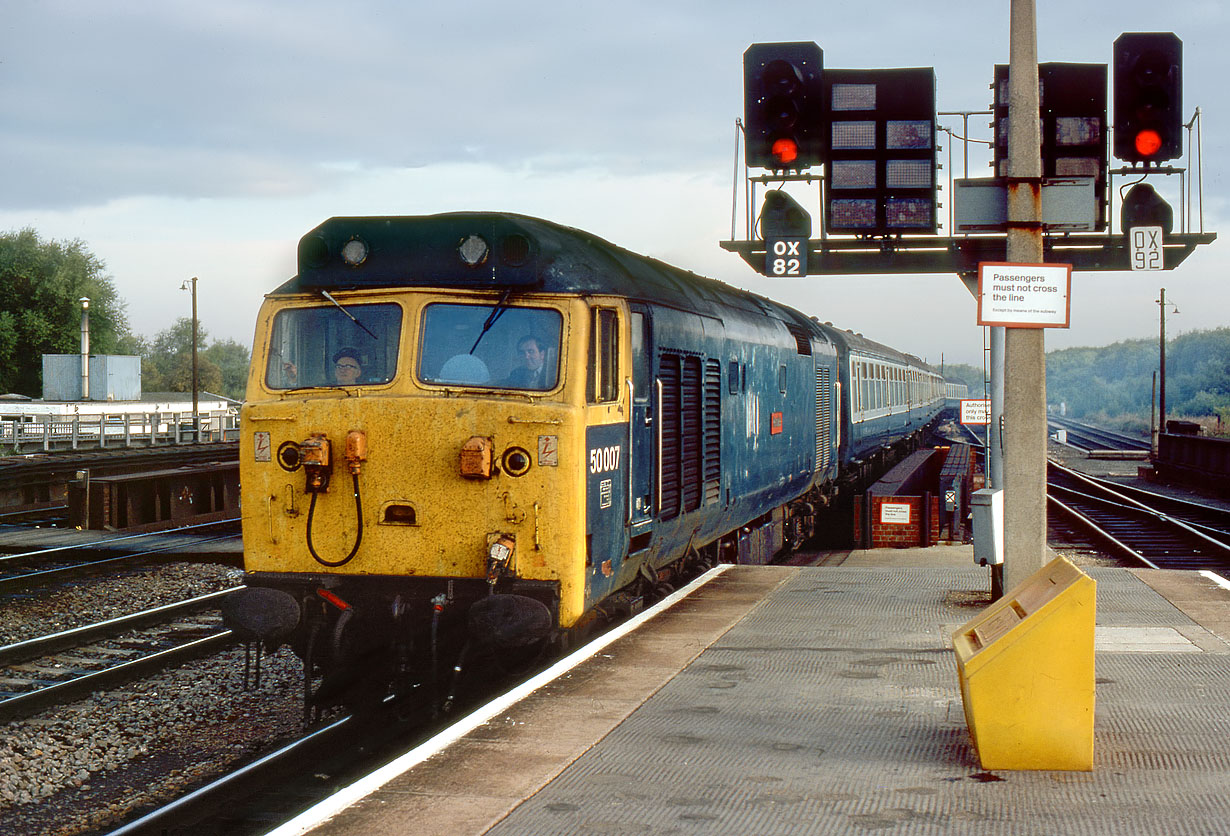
x,y
902,535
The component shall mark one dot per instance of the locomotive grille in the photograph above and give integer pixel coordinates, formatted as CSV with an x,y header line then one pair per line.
x,y
802,341
824,404
691,420
668,376
691,433
713,431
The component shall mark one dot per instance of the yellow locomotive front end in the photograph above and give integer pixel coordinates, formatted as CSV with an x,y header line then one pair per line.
x,y
410,464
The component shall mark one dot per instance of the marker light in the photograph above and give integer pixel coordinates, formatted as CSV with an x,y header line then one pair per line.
x,y
1148,142
785,150
473,250
354,252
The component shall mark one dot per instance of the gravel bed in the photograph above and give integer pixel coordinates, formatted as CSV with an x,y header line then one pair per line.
x,y
86,766
101,598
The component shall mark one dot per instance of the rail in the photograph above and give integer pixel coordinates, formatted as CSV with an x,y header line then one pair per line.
x,y
150,429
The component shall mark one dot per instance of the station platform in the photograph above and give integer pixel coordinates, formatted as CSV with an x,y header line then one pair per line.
x,y
825,699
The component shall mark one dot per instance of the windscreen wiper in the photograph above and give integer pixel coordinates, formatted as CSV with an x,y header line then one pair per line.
x,y
494,316
329,296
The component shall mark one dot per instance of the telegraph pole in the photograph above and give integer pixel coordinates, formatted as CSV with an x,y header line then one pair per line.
x,y
1024,432
1161,357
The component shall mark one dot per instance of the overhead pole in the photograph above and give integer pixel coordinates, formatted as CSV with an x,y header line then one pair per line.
x,y
1024,431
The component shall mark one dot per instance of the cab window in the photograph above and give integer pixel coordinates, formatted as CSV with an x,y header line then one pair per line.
x,y
604,356
498,346
332,346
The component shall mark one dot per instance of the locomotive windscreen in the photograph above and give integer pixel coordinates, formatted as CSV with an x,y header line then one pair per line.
x,y
333,346
490,345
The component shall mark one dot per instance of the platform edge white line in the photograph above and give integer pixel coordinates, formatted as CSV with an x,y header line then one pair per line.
x,y
1216,578
345,797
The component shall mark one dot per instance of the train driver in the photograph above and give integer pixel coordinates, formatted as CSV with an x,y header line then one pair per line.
x,y
532,373
347,366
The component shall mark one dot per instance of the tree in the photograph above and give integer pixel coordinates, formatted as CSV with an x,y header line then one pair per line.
x,y
1119,380
41,283
166,362
232,360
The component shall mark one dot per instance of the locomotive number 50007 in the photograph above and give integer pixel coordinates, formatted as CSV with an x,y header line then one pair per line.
x,y
604,459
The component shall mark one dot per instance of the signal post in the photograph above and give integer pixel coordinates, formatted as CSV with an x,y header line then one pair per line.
x,y
873,133
1024,373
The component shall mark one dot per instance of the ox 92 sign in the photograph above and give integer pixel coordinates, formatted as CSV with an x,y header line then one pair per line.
x,y
1145,247
785,257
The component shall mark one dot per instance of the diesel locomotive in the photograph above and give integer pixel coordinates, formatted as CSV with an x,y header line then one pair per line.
x,y
485,430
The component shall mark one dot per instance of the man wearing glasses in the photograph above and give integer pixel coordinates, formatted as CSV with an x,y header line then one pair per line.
x,y
347,368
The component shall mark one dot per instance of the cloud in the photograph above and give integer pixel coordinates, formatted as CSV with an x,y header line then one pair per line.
x,y
179,138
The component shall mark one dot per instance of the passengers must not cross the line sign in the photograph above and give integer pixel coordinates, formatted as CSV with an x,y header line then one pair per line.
x,y
1024,295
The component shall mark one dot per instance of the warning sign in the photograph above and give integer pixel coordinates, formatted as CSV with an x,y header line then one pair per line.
x,y
1024,295
976,411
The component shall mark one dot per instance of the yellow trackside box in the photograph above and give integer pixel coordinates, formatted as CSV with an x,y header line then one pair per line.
x,y
1026,670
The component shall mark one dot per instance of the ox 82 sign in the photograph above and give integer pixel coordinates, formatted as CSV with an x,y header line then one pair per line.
x,y
785,257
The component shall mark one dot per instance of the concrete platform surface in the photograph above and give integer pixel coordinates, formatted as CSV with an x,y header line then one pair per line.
x,y
795,700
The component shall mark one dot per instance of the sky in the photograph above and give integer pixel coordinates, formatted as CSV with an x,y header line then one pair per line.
x,y
179,139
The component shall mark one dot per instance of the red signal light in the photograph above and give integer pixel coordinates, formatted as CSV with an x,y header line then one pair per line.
x,y
1148,142
785,150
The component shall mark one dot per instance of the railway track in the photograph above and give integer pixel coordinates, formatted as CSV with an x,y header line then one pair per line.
x,y
1156,531
64,564
1097,440
281,783
53,669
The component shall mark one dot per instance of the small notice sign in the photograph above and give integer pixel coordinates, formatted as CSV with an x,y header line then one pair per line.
x,y
1024,295
1145,248
976,411
785,257
896,513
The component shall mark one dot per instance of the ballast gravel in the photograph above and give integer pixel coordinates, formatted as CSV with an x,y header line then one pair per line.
x,y
89,765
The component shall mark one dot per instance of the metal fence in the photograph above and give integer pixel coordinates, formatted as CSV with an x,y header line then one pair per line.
x,y
81,432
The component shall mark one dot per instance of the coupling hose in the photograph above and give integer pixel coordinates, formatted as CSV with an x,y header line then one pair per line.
x,y
358,515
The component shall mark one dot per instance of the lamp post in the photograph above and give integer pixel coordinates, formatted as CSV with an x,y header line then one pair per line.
x,y
1161,391
196,414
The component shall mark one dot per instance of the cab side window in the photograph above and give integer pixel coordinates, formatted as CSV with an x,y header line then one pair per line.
x,y
603,378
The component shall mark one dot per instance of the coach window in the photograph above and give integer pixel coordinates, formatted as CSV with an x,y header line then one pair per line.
x,y
603,356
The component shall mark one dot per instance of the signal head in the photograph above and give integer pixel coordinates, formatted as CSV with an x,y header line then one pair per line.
x,y
783,105
1148,97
